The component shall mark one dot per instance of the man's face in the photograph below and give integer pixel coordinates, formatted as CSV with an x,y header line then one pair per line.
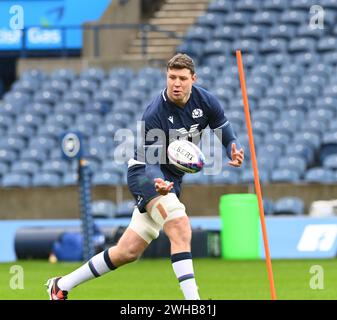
x,y
179,85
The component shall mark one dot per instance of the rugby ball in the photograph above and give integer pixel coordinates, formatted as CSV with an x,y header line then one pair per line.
x,y
186,156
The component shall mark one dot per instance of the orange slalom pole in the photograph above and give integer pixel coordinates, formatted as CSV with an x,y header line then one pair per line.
x,y
256,173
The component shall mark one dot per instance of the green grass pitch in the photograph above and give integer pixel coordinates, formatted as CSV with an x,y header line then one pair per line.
x,y
149,279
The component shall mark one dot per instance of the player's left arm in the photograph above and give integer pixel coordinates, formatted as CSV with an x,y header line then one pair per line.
x,y
225,132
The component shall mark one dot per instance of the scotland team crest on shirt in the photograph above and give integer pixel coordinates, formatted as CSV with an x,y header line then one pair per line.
x,y
197,113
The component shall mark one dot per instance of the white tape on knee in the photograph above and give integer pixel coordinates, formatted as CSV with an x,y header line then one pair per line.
x,y
167,208
144,226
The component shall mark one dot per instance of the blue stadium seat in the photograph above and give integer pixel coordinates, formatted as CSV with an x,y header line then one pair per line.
x,y
125,208
96,74
292,69
10,109
42,142
106,178
4,168
76,96
197,178
115,85
103,209
329,57
283,31
46,180
276,5
247,176
51,130
6,120
261,127
119,119
86,85
70,178
247,5
289,206
26,86
329,145
39,109
267,71
269,150
57,86
59,119
314,125
33,73
273,45
278,91
258,81
327,44
330,161
274,104
108,129
227,176
46,96
307,91
221,6
225,32
321,69
25,167
216,47
283,130
301,45
333,125
267,115
14,143
293,17
193,48
319,175
89,118
98,107
293,115
278,59
22,130
58,167
321,114
306,58
266,162
211,19
238,18
199,33
63,74
110,166
299,103
265,17
123,73
304,31
12,180
297,163
29,119
8,156
223,93
300,149
68,108
246,46
135,96
309,138
103,141
277,138
34,154
17,97
313,79
285,176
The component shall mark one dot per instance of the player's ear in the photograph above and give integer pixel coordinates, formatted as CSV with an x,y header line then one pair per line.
x,y
194,77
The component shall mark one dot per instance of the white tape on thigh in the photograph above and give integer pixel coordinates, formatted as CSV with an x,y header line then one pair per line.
x,y
167,208
144,225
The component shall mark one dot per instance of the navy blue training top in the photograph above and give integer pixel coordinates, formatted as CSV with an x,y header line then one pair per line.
x,y
201,110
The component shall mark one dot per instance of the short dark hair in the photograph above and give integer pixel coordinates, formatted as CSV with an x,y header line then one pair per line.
x,y
181,61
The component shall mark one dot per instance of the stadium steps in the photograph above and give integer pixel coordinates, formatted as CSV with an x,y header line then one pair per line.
x,y
175,16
